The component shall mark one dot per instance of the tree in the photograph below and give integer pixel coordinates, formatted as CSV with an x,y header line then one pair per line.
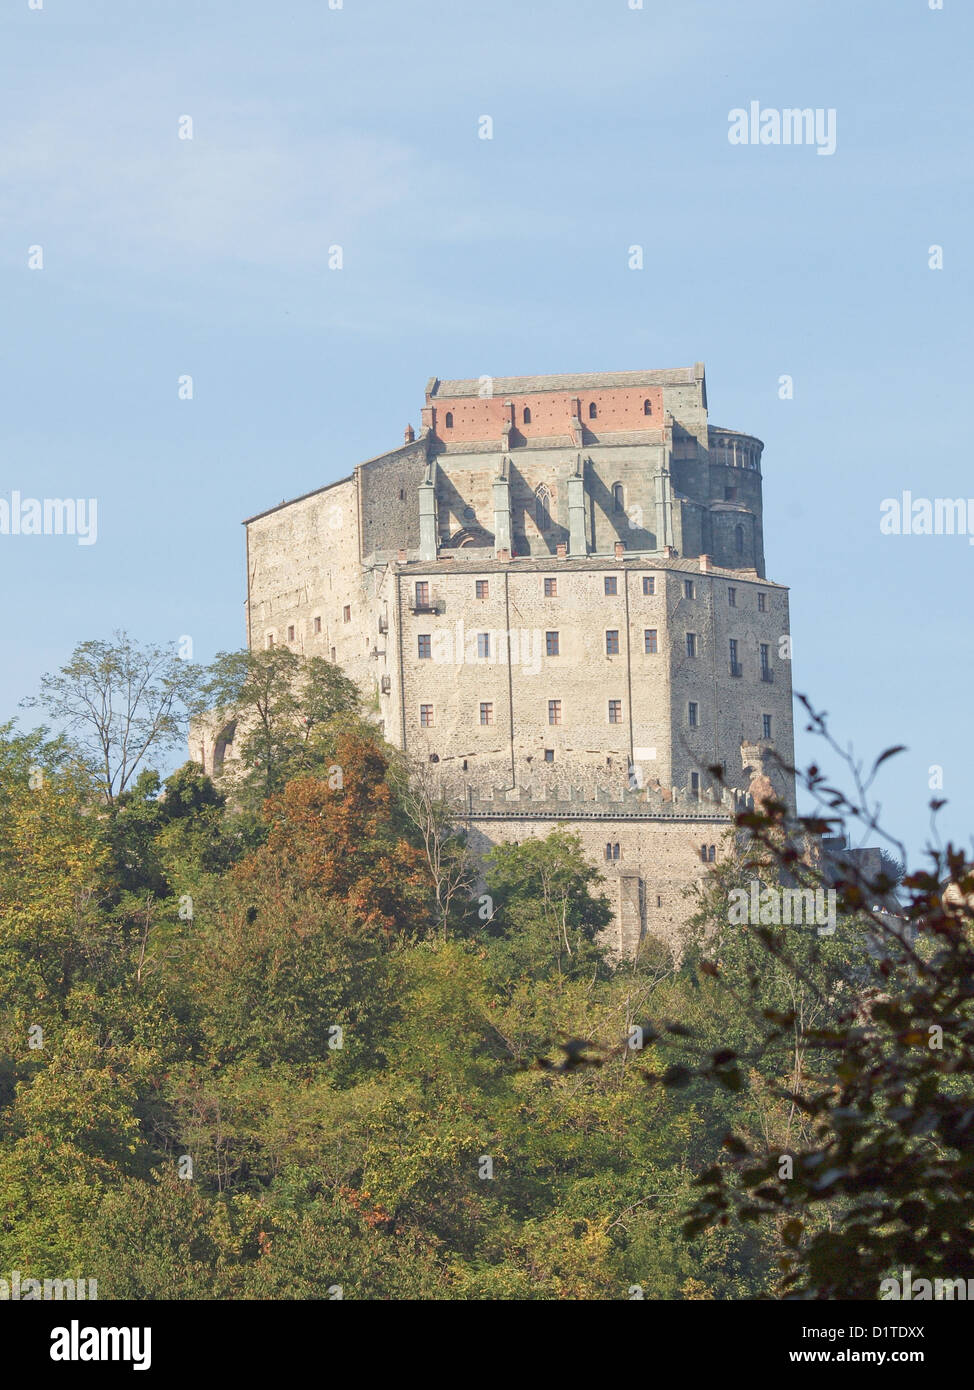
x,y
120,700
287,708
545,918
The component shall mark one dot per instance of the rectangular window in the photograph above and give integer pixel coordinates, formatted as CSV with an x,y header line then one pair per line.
x,y
766,726
549,755
615,711
551,643
347,613
688,588
765,662
487,713
317,626
612,642
551,588
730,494
333,656
483,644
422,593
290,633
691,644
554,711
426,716
735,665
694,786
650,641
732,598
611,584
649,584
425,642
692,714
483,588
762,603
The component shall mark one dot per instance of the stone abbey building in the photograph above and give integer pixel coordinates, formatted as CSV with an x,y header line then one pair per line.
x,y
554,592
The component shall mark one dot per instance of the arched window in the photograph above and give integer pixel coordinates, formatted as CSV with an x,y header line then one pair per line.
x,y
712,854
647,407
618,498
527,415
449,420
592,410
739,539
542,508
703,853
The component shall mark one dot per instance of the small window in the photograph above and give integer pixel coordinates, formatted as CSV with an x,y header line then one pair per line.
x,y
347,613
692,714
612,642
426,716
659,901
615,711
527,415
290,633
650,641
608,850
592,410
317,626
551,588
611,584
732,598
402,494
766,726
765,657
483,588
449,420
549,755
554,711
688,588
691,644
422,593
694,786
618,498
551,643
270,639
464,764
649,583
712,854
647,407
762,603
333,656
483,644
730,494
703,853
486,713
425,644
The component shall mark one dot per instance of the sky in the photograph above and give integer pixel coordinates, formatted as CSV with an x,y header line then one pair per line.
x,y
361,127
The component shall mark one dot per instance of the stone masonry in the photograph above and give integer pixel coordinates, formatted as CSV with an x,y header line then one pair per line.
x,y
554,593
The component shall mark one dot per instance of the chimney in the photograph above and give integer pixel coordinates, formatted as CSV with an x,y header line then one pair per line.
x,y
620,549
561,550
503,554
400,557
410,434
704,564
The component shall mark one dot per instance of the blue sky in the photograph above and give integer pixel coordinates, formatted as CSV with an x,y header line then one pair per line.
x,y
359,126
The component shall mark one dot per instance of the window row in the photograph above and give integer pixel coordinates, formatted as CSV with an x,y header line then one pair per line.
x,y
610,584
427,715
593,413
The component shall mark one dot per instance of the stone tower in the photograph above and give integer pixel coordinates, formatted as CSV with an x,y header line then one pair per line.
x,y
555,592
